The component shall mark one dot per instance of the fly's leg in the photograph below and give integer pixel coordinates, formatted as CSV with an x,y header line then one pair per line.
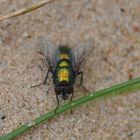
x,y
81,82
57,102
44,82
71,101
71,97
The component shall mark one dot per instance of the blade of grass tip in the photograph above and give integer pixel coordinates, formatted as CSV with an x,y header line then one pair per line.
x,y
128,86
26,9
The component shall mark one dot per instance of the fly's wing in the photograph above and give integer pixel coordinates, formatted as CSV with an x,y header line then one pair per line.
x,y
81,53
47,50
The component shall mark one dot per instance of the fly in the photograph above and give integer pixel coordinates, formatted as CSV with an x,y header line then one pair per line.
x,y
65,65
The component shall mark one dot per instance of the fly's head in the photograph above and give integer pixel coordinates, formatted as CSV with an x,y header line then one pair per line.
x,y
64,91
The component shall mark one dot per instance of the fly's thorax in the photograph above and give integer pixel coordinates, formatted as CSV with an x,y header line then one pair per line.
x,y
64,73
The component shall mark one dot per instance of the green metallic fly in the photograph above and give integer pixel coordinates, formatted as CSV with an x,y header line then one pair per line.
x,y
65,65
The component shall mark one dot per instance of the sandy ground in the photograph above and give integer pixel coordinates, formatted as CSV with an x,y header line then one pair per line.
x,y
115,26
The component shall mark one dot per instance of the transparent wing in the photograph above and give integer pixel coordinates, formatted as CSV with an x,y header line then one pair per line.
x,y
82,52
47,50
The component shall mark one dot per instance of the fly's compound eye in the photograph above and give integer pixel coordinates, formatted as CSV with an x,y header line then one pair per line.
x,y
58,90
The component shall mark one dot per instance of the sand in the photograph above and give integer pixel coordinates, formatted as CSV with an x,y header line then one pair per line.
x,y
115,26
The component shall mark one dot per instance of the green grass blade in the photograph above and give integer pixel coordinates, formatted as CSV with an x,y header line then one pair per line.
x,y
126,87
